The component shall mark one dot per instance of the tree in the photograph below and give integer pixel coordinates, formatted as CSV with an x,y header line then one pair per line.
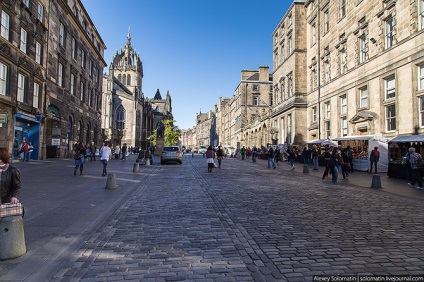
x,y
171,135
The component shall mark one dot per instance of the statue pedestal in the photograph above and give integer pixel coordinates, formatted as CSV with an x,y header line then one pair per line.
x,y
160,143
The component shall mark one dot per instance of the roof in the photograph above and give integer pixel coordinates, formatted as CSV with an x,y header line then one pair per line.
x,y
157,96
408,138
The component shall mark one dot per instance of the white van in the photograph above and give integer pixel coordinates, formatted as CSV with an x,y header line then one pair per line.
x,y
202,150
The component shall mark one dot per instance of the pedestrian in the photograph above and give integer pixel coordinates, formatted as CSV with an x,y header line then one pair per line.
x,y
406,163
23,152
124,151
335,164
374,158
10,179
105,156
210,155
271,157
417,164
87,151
306,156
30,150
243,153
220,155
327,170
93,150
277,154
79,152
350,157
117,150
345,165
291,155
315,157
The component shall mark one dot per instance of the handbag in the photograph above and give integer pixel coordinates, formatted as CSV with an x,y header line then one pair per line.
x,y
10,209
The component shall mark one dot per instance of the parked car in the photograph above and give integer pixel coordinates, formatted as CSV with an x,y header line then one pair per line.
x,y
143,155
202,149
171,154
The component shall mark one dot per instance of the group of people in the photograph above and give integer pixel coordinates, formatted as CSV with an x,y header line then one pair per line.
x,y
105,154
211,153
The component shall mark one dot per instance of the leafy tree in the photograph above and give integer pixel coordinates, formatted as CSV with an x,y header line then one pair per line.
x,y
171,135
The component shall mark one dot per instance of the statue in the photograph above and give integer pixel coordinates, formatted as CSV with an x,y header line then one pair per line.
x,y
160,130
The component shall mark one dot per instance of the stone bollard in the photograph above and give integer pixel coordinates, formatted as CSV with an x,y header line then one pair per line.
x,y
147,161
111,181
12,239
305,168
192,154
136,168
376,181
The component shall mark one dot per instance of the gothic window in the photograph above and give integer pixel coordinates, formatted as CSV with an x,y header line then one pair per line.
x,y
124,79
290,91
119,77
128,79
120,117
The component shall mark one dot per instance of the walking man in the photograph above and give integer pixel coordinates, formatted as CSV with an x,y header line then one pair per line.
x,y
374,158
415,160
105,155
271,157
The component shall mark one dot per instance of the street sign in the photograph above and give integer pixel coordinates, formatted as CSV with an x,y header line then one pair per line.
x,y
3,118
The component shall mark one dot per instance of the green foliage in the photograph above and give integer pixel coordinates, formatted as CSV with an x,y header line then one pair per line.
x,y
171,135
152,138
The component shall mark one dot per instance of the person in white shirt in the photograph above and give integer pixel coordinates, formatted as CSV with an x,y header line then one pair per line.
x,y
105,155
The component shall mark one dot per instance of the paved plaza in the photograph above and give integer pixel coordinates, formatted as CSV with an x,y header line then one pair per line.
x,y
242,222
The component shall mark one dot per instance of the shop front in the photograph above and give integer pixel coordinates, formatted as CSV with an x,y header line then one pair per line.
x,y
26,127
361,146
398,147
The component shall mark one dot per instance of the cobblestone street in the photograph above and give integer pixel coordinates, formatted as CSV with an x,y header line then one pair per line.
x,y
245,222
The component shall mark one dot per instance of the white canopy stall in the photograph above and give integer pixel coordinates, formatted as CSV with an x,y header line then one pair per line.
x,y
362,145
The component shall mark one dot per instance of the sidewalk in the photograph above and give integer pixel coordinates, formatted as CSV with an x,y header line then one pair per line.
x,y
397,186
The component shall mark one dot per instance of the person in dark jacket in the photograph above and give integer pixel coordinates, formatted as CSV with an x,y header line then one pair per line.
x,y
79,153
210,155
374,158
10,179
415,161
271,157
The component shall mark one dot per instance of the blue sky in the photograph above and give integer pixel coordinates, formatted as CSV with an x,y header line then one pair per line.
x,y
195,49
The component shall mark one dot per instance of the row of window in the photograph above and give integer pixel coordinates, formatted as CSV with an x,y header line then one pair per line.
x,y
92,98
389,105
22,87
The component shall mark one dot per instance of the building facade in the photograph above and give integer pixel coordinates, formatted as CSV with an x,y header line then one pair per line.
x,y
52,59
289,61
365,68
123,100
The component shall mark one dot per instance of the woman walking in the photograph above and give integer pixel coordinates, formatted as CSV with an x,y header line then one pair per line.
x,y
10,179
210,155
79,153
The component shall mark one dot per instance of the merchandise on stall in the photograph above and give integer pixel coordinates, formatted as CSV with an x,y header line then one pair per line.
x,y
362,145
398,147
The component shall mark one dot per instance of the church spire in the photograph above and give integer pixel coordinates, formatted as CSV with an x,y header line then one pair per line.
x,y
128,37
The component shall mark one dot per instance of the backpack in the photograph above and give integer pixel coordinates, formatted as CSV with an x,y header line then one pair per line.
x,y
375,153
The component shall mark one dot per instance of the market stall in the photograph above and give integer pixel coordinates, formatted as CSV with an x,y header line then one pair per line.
x,y
362,145
398,147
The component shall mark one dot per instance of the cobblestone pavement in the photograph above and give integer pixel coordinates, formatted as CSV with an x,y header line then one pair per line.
x,y
245,222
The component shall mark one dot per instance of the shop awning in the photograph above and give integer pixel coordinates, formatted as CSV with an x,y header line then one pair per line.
x,y
362,137
408,138
323,142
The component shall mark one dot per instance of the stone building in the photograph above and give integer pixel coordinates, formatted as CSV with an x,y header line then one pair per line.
x,y
74,85
52,59
162,108
123,100
251,108
365,70
22,74
289,62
